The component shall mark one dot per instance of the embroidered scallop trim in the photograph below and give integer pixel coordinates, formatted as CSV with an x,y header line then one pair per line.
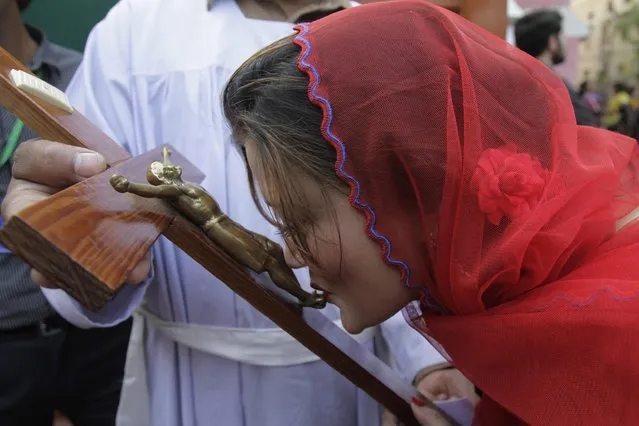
x,y
342,155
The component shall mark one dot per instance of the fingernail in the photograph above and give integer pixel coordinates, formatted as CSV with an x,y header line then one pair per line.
x,y
87,164
418,402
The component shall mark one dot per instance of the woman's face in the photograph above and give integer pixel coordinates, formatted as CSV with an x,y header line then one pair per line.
x,y
349,265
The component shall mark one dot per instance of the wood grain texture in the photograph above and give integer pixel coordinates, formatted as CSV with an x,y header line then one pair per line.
x,y
88,237
196,244
51,122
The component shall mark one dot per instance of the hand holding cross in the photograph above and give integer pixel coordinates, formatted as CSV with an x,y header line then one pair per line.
x,y
58,166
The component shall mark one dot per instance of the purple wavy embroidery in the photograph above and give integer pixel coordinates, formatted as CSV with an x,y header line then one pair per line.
x,y
353,183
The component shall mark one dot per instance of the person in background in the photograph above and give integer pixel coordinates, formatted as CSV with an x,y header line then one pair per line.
x,y
630,89
46,363
538,33
153,73
590,98
634,120
618,110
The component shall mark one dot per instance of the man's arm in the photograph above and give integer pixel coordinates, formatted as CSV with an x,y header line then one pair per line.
x,y
101,91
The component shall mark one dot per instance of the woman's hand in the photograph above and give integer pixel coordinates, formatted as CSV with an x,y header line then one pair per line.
x,y
40,169
446,384
438,385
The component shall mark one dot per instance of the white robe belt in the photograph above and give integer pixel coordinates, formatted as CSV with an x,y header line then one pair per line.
x,y
266,347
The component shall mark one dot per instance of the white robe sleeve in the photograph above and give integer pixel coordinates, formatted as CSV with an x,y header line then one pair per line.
x,y
410,351
101,91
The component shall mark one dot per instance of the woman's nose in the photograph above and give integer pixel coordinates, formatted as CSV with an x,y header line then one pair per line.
x,y
292,257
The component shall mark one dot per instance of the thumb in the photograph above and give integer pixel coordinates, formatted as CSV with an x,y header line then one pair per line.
x,y
55,164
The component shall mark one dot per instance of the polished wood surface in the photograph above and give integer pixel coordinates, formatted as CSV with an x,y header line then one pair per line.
x,y
87,237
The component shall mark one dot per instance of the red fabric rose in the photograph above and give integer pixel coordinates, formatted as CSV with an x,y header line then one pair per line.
x,y
508,183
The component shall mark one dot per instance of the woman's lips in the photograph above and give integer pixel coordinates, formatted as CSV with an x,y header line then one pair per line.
x,y
322,291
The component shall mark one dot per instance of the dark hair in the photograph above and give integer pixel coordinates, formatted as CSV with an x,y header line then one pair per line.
x,y
583,88
266,102
619,86
533,30
23,4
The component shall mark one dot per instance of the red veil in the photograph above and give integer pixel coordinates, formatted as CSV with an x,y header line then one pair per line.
x,y
464,156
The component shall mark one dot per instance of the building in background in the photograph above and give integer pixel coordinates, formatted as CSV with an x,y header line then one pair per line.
x,y
606,57
574,31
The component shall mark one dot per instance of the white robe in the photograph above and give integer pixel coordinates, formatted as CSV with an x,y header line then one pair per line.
x,y
152,74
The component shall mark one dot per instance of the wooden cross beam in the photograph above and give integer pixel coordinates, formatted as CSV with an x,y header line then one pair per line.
x,y
88,237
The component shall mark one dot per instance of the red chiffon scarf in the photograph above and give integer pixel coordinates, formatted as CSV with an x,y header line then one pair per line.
x,y
525,281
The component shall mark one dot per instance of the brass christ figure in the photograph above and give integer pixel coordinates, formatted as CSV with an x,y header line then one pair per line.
x,y
250,249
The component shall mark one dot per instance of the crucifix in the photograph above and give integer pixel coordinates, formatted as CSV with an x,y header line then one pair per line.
x,y
88,237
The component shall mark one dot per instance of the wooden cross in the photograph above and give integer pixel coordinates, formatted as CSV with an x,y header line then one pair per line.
x,y
88,237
